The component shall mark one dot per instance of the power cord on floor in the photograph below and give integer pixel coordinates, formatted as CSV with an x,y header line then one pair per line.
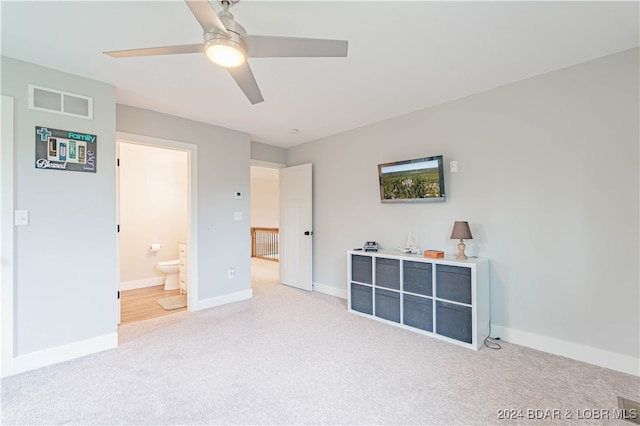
x,y
491,342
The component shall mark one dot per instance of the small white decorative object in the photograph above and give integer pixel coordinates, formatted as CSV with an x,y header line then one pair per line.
x,y
411,246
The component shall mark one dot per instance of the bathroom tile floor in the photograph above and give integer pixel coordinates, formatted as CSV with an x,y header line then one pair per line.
x,y
140,304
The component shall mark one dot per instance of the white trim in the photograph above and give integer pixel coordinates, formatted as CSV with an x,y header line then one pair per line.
x,y
330,290
589,354
118,306
43,358
6,232
212,302
145,282
267,164
192,249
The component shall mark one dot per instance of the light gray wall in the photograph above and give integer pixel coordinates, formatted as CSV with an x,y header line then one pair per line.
x,y
223,168
548,179
65,260
268,153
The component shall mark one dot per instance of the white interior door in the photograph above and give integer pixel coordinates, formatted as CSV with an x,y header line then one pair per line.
x,y
296,233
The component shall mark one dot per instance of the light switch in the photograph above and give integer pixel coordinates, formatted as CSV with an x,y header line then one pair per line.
x,y
453,167
237,216
21,217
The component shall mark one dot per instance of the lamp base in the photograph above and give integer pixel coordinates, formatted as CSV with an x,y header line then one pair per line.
x,y
461,255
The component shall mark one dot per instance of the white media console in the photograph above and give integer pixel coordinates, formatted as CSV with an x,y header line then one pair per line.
x,y
444,298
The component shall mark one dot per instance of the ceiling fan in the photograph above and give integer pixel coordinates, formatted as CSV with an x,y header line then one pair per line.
x,y
226,43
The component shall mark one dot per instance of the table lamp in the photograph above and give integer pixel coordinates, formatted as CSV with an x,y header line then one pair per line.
x,y
461,232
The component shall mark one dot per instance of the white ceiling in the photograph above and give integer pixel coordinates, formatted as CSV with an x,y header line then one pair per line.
x,y
403,56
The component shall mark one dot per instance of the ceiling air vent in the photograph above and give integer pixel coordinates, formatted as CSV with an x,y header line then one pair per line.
x,y
44,99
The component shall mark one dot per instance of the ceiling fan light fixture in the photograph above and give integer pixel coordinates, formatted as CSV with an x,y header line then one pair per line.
x,y
225,52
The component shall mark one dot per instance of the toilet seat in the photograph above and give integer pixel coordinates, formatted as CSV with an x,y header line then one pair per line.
x,y
174,262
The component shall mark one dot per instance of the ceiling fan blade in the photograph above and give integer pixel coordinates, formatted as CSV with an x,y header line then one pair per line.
x,y
206,16
164,50
247,82
281,47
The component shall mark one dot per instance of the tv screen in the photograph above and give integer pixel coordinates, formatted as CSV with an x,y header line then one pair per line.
x,y
410,181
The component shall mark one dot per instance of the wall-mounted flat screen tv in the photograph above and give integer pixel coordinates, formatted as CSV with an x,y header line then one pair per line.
x,y
412,181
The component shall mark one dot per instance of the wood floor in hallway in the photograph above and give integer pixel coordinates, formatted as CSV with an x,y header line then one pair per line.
x,y
140,304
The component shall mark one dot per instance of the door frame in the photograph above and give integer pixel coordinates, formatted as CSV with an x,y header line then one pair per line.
x,y
192,215
7,232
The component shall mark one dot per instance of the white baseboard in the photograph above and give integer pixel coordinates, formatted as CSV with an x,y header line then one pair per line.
x,y
45,357
330,290
603,358
145,282
212,302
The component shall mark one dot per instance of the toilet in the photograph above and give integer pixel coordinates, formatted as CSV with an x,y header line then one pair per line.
x,y
171,269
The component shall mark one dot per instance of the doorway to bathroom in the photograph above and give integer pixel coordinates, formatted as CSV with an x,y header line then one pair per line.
x,y
154,219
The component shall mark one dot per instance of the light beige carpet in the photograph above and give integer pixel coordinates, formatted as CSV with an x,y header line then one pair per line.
x,y
291,357
173,302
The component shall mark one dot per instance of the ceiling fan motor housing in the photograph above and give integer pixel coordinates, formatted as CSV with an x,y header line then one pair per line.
x,y
230,24
235,31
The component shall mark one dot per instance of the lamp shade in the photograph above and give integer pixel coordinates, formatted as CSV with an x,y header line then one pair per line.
x,y
461,231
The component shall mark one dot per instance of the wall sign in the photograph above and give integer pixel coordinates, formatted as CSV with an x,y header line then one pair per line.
x,y
65,150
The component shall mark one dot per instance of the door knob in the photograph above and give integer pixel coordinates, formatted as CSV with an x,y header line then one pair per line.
x,y
308,233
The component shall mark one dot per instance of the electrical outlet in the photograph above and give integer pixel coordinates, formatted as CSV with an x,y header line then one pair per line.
x,y
232,272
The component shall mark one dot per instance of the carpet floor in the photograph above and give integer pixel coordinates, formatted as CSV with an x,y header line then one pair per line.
x,y
293,357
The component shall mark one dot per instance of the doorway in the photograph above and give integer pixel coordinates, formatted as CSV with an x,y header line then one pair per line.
x,y
156,215
265,222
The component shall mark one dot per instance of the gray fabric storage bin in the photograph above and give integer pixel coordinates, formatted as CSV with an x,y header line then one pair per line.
x,y
454,321
388,273
417,278
417,312
453,283
388,305
361,269
362,298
